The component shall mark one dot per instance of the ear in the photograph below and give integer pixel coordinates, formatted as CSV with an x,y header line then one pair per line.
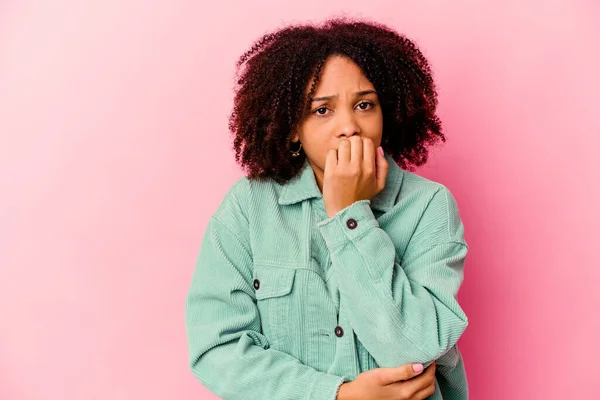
x,y
295,138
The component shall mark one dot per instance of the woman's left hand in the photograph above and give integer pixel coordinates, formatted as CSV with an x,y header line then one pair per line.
x,y
353,172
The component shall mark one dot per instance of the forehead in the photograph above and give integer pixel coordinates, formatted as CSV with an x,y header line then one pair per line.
x,y
340,73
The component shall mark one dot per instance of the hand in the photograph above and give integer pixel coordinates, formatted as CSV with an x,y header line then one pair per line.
x,y
355,171
400,383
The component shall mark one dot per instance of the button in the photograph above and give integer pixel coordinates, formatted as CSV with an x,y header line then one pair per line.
x,y
339,332
351,223
256,284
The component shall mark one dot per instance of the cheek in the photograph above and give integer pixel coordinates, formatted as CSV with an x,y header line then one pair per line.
x,y
316,143
314,135
317,146
374,132
377,129
373,120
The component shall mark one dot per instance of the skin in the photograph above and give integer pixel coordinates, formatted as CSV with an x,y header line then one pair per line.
x,y
341,133
342,116
400,383
340,136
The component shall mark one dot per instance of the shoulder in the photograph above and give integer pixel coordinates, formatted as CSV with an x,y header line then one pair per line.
x,y
425,190
244,198
232,210
433,204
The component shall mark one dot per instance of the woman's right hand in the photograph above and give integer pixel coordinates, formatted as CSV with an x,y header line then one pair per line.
x,y
400,383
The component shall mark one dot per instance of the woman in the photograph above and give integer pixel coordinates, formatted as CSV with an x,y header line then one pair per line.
x,y
330,271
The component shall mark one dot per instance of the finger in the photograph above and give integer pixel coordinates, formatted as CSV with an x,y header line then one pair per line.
x,y
356,152
369,155
409,388
382,168
391,375
425,393
343,152
430,370
330,160
430,389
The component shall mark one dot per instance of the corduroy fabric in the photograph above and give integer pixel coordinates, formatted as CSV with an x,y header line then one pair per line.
x,y
276,279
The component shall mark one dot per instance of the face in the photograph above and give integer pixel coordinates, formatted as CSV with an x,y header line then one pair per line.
x,y
345,104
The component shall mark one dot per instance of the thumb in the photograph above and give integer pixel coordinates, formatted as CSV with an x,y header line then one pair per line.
x,y
401,373
382,168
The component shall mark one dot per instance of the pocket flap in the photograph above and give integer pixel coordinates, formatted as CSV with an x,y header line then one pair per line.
x,y
273,281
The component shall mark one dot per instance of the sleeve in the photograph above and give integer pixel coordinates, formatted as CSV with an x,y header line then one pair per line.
x,y
227,351
402,312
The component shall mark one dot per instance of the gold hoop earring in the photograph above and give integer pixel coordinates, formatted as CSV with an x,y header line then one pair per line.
x,y
297,152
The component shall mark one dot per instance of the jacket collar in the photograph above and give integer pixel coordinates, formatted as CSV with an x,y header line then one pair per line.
x,y
304,186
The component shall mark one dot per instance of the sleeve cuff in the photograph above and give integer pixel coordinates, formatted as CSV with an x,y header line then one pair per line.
x,y
325,387
348,224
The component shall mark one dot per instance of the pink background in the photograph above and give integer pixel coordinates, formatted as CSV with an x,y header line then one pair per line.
x,y
115,151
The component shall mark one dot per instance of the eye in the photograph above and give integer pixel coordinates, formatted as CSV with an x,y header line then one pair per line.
x,y
323,109
368,103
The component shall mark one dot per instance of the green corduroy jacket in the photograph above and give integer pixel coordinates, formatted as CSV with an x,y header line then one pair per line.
x,y
286,303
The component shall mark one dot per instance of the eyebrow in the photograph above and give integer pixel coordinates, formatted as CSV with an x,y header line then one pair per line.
x,y
364,92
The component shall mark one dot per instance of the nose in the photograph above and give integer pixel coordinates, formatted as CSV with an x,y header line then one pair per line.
x,y
348,126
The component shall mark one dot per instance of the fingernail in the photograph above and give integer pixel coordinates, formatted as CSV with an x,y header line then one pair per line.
x,y
380,150
417,367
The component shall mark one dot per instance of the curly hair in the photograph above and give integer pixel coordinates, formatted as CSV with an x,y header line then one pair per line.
x,y
270,100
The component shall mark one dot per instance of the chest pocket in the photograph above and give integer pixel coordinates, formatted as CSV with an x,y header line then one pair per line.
x,y
273,289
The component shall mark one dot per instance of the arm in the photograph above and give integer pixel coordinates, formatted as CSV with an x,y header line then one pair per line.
x,y
227,352
406,312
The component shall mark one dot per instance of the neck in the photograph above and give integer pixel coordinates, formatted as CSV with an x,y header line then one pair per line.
x,y
319,174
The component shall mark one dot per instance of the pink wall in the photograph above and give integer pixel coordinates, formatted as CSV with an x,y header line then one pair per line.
x,y
113,116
